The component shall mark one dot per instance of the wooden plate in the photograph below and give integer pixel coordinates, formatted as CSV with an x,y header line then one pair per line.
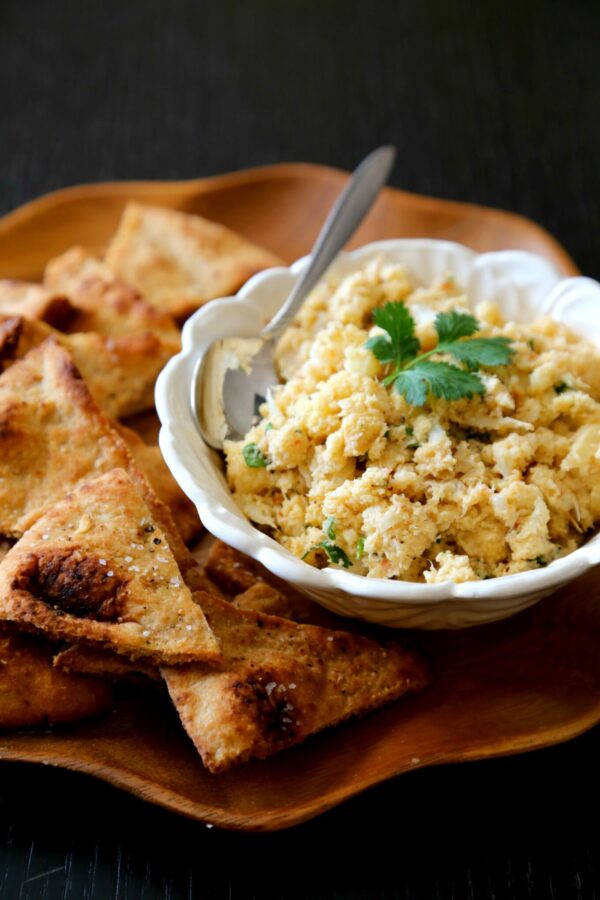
x,y
528,682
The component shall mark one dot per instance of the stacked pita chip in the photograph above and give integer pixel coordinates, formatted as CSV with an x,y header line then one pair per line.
x,y
97,582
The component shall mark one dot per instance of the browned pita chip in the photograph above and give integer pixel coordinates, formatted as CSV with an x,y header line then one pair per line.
x,y
233,571
150,461
102,302
179,261
280,682
264,598
21,298
53,436
32,692
106,664
119,371
97,567
252,587
19,335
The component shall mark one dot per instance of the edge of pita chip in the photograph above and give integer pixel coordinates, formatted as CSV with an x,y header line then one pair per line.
x,y
279,682
97,567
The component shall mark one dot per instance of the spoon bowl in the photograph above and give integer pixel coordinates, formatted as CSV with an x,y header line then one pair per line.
x,y
233,378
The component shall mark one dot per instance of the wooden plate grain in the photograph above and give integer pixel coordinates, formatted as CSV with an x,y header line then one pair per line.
x,y
528,682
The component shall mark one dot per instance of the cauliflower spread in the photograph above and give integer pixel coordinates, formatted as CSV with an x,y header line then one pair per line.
x,y
342,470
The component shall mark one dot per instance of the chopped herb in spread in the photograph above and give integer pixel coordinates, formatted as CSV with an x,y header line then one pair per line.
x,y
462,490
329,528
254,457
336,554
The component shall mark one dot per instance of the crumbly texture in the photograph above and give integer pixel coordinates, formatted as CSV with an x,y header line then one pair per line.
x,y
451,491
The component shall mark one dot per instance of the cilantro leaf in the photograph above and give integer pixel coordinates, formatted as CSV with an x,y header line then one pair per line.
x,y
415,374
495,351
329,527
561,387
382,348
439,378
401,342
360,547
336,554
451,326
254,457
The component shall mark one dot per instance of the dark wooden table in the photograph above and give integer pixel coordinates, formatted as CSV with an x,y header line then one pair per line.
x,y
487,102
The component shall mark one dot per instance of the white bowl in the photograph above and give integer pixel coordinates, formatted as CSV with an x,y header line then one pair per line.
x,y
524,285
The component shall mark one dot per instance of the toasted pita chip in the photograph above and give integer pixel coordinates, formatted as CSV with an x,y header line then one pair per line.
x,y
101,301
33,693
249,586
280,682
120,372
19,335
21,298
233,571
4,547
150,461
105,664
53,436
179,261
97,567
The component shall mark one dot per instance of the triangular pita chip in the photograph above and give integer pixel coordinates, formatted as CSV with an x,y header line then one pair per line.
x,y
33,693
102,302
249,586
21,298
97,567
88,660
179,261
119,371
280,682
151,462
53,436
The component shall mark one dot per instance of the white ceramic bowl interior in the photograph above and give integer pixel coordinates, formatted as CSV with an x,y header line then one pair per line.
x,y
523,284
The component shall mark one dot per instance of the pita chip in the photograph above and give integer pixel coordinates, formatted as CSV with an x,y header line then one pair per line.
x,y
102,302
120,372
280,682
21,298
33,693
88,660
53,436
150,460
97,567
179,261
233,571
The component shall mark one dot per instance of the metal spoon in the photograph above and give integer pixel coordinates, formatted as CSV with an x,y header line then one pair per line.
x,y
234,396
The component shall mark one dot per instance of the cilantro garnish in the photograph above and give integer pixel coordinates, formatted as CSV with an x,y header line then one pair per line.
x,y
561,387
254,457
329,527
336,554
360,547
415,375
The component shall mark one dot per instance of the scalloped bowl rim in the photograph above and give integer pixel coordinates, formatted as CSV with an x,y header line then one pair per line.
x,y
236,530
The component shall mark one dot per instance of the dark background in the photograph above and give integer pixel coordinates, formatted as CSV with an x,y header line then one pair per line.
x,y
495,103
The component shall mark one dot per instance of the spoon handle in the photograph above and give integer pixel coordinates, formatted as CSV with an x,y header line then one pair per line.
x,y
346,215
